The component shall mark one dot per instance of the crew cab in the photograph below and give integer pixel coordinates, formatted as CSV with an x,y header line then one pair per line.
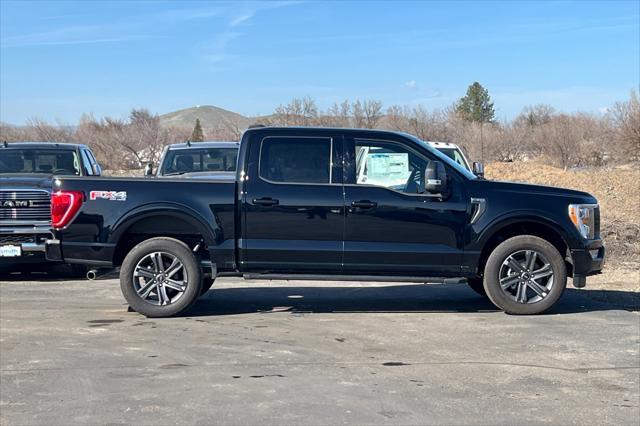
x,y
196,159
26,175
298,209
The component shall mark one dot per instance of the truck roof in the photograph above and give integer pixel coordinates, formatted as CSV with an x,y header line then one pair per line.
x,y
437,144
208,144
42,145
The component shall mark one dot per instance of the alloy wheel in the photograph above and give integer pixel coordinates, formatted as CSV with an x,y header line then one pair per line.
x,y
526,276
160,278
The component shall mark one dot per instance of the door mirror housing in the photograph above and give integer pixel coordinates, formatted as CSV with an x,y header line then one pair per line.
x,y
148,169
96,169
435,178
478,169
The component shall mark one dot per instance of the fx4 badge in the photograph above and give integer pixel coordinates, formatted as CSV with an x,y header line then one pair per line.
x,y
108,195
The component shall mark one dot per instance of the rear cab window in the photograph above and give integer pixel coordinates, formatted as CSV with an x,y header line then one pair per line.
x,y
296,159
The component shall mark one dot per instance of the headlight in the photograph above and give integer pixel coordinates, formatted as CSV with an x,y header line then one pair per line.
x,y
583,217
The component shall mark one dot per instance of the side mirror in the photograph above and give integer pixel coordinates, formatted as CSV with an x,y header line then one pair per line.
x,y
97,170
435,177
148,169
478,169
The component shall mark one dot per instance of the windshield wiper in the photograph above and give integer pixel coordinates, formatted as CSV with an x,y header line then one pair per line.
x,y
174,173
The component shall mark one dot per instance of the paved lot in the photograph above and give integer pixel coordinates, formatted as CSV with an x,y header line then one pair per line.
x,y
315,353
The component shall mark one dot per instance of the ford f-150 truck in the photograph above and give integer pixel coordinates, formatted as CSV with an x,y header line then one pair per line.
x,y
303,206
26,174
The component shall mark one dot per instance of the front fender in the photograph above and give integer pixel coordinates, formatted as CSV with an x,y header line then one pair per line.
x,y
522,216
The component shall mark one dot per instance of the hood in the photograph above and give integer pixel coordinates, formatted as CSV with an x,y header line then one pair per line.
x,y
25,181
527,188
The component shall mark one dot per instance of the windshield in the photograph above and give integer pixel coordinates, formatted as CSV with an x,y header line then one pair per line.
x,y
455,155
200,160
445,159
45,161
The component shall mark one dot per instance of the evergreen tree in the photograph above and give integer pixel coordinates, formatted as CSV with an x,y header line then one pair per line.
x,y
197,135
476,105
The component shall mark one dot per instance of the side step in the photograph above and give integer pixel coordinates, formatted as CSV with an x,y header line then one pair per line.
x,y
371,278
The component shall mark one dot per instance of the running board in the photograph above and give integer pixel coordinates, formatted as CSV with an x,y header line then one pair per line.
x,y
372,278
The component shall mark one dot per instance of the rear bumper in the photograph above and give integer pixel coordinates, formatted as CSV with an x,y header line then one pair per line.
x,y
587,261
93,254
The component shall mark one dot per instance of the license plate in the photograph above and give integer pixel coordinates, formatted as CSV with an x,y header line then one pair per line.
x,y
10,251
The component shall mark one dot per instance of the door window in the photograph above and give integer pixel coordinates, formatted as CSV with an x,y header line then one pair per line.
x,y
389,165
296,160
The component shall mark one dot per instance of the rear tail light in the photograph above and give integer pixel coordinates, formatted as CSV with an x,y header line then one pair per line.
x,y
64,206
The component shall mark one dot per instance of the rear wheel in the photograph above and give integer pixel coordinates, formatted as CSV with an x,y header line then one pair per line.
x,y
525,275
160,277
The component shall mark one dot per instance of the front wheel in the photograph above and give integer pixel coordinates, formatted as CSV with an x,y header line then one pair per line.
x,y
160,277
525,275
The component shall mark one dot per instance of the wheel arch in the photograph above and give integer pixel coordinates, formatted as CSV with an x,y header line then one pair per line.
x,y
522,225
169,220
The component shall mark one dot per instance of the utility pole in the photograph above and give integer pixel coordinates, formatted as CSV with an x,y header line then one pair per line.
x,y
481,136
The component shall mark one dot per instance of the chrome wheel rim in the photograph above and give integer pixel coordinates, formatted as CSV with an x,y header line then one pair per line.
x,y
160,278
526,276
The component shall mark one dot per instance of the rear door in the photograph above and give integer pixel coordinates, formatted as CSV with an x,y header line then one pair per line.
x,y
293,203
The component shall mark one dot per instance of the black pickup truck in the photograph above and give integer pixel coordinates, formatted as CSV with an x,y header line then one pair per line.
x,y
302,206
26,176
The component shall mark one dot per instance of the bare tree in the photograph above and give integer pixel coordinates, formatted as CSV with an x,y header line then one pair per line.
x,y
372,112
41,130
626,119
298,112
338,115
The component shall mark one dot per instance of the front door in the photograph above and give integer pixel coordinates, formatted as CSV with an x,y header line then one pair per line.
x,y
294,204
392,226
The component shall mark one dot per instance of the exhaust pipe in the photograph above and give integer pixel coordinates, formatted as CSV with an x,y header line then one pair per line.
x,y
94,274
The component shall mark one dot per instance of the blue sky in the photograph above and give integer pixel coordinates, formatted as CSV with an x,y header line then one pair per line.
x,y
60,59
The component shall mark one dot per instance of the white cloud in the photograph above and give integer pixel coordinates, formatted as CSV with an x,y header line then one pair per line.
x,y
411,84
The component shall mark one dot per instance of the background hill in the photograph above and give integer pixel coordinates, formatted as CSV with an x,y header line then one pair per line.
x,y
211,117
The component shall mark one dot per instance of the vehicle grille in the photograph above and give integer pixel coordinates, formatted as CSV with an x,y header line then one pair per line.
x,y
25,206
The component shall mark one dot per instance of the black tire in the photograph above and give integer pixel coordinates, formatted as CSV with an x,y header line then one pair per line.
x,y
207,282
500,254
175,248
477,285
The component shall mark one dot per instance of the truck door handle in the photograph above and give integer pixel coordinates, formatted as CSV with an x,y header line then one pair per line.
x,y
364,204
267,201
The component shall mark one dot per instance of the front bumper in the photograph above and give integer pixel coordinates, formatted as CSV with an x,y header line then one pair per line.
x,y
586,261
